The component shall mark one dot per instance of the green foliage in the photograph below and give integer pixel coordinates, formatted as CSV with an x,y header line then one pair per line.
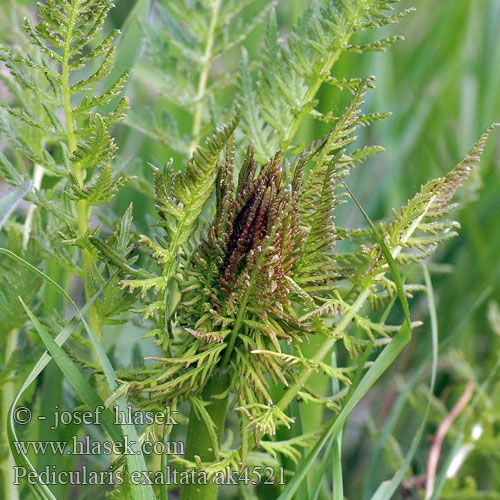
x,y
48,78
185,45
58,75
57,134
265,271
289,77
239,293
180,199
256,268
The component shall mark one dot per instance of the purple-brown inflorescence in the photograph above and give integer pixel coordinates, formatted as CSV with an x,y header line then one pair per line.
x,y
253,240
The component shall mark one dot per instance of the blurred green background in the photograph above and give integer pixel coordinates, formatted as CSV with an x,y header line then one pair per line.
x,y
442,85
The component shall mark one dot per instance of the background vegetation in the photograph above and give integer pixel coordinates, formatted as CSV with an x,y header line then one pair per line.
x,y
442,85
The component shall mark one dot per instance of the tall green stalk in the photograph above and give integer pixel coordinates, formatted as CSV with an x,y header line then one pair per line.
x,y
81,206
198,438
199,442
205,72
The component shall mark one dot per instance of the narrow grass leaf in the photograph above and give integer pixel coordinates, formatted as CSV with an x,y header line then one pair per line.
x,y
75,378
322,469
388,428
93,400
135,461
383,361
40,490
338,484
387,489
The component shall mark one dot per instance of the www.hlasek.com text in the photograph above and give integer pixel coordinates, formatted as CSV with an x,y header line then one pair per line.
x,y
86,446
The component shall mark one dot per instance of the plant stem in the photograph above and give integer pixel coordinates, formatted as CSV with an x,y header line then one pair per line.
x,y
236,329
328,344
167,429
205,70
313,89
198,442
8,394
294,125
81,206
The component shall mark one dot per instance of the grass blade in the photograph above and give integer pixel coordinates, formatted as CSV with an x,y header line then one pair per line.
x,y
322,469
75,378
399,405
383,361
388,488
135,462
388,428
338,486
93,400
40,490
